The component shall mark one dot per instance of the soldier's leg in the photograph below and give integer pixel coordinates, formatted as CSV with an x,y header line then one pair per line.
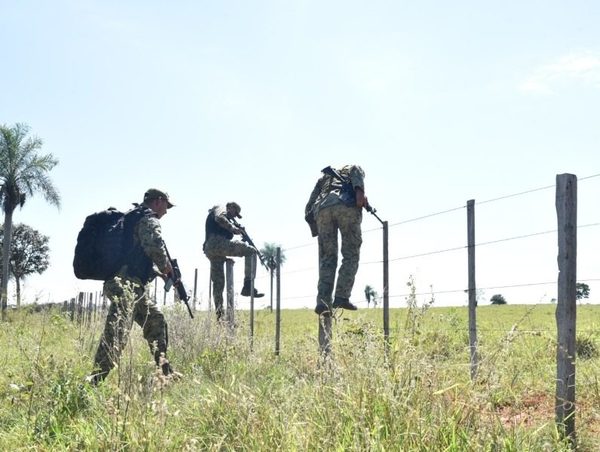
x,y
250,258
241,249
154,326
328,253
250,263
219,246
349,220
213,249
116,329
217,276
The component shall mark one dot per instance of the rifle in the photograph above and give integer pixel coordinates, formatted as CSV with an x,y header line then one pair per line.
x,y
174,279
348,195
246,238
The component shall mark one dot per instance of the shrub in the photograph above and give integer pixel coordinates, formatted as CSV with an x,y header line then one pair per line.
x,y
498,299
586,348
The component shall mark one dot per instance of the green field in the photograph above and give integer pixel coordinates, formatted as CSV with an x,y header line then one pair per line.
x,y
233,397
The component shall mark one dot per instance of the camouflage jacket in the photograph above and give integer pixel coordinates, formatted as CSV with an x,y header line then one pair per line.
x,y
328,189
148,252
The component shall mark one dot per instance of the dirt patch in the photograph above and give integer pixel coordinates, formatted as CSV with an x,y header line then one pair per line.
x,y
534,409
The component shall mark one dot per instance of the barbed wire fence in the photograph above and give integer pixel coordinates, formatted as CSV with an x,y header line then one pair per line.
x,y
371,247
455,254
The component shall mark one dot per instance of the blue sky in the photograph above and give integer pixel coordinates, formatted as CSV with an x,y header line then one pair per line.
x,y
440,102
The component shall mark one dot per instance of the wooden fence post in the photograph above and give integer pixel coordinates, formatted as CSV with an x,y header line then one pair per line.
x,y
195,288
72,309
210,297
386,288
95,305
271,292
80,307
90,307
278,306
566,308
325,334
252,272
230,294
473,346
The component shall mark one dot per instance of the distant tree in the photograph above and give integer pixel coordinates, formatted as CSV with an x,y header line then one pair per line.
x,y
498,299
370,294
583,290
28,254
23,173
269,251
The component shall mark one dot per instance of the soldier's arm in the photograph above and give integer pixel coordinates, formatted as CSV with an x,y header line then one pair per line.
x,y
151,241
357,178
313,197
223,221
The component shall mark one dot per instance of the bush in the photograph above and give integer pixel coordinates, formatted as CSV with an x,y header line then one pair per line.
x,y
498,299
586,348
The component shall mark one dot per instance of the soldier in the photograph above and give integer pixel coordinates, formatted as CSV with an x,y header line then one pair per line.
x,y
334,205
219,245
127,291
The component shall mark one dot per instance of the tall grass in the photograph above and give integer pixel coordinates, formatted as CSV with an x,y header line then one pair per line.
x,y
419,397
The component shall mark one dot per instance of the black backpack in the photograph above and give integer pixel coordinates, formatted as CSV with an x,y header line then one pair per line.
x,y
104,242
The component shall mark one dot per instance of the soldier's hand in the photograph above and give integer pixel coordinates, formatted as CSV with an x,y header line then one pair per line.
x,y
168,269
361,199
236,230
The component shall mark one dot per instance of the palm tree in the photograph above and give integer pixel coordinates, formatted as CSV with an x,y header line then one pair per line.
x,y
269,251
370,293
23,172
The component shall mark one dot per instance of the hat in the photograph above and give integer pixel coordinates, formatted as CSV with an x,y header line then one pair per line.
x,y
236,206
154,193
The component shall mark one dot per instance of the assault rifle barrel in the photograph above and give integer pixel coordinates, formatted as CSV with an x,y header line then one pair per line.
x,y
246,238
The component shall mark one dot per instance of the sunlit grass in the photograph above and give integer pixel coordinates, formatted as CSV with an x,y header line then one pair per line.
x,y
237,397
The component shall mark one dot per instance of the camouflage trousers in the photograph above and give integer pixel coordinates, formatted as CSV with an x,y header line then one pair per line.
x,y
347,221
217,249
129,303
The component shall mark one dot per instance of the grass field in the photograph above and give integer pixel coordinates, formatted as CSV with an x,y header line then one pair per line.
x,y
232,397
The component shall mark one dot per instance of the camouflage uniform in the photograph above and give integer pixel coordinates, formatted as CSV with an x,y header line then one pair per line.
x,y
128,292
218,246
332,214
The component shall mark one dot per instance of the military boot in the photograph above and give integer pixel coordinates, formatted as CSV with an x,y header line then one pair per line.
x,y
246,290
344,303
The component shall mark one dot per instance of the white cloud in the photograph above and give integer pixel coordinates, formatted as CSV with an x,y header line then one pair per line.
x,y
577,68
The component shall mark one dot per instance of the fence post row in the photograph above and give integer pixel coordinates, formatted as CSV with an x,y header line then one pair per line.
x,y
566,308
